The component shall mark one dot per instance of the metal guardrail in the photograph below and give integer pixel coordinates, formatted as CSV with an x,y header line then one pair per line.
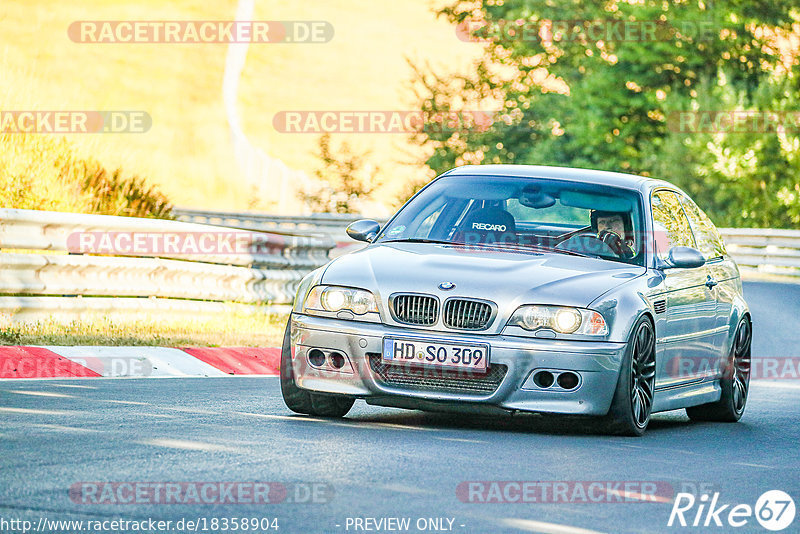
x,y
767,251
42,276
40,269
317,224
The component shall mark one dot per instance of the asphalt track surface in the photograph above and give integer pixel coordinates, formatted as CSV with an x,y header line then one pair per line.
x,y
386,463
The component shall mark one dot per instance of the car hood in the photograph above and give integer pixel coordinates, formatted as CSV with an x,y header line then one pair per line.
x,y
508,278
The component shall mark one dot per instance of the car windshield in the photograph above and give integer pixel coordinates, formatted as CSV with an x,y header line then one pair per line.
x,y
522,213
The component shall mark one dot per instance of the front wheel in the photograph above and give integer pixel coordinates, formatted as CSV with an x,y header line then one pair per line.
x,y
735,382
633,399
302,401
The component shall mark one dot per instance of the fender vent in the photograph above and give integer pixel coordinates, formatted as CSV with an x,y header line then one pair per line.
x,y
660,306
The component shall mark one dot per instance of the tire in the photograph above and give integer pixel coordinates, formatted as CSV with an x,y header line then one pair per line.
x,y
735,381
296,399
632,404
335,406
305,402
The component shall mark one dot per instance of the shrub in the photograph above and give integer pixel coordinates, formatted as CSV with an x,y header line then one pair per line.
x,y
44,173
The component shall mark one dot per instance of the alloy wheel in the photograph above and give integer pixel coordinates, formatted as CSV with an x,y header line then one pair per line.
x,y
741,366
643,374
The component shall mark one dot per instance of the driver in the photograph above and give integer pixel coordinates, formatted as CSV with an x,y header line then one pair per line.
x,y
614,229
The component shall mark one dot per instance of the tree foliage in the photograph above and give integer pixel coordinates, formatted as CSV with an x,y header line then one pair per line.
x,y
344,180
565,97
42,173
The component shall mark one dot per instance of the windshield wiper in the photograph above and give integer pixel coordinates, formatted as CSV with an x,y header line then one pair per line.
x,y
535,248
541,248
419,240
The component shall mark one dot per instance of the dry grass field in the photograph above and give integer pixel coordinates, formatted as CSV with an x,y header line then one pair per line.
x,y
188,152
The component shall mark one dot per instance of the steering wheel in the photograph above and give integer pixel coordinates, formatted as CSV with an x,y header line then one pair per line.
x,y
563,237
615,243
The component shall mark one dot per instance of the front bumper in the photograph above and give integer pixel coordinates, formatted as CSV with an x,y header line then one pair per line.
x,y
596,363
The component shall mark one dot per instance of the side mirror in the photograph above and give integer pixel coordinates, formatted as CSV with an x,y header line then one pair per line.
x,y
363,230
684,258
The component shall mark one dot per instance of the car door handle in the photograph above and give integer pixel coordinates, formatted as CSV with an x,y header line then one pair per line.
x,y
710,282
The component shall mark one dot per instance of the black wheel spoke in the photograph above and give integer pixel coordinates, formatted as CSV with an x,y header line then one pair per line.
x,y
645,412
641,342
741,365
739,394
743,339
637,406
647,396
643,373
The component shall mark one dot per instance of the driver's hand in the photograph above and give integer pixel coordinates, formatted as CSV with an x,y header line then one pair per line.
x,y
615,243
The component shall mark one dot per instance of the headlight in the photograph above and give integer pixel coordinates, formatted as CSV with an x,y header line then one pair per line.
x,y
335,298
561,319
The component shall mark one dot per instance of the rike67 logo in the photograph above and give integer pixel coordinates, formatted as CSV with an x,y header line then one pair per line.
x,y
774,510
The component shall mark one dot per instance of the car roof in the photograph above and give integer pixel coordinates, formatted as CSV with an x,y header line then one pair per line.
x,y
611,179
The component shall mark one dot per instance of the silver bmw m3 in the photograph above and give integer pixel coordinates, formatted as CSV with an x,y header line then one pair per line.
x,y
505,288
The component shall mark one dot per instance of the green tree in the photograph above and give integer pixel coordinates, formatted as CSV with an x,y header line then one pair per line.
x,y
345,179
565,97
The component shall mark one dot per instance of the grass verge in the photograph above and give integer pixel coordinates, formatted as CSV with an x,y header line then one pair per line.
x,y
236,330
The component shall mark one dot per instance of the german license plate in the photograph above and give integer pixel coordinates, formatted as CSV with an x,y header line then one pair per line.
x,y
435,354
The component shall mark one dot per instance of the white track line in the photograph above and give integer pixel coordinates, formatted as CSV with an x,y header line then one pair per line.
x,y
186,445
42,394
460,440
30,411
544,528
785,384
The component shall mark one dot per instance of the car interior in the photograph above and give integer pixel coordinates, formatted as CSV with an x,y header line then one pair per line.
x,y
529,217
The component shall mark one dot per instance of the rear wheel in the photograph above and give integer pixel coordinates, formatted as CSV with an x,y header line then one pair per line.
x,y
302,401
735,382
633,399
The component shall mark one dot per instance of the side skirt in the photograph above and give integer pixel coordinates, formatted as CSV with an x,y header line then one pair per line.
x,y
677,397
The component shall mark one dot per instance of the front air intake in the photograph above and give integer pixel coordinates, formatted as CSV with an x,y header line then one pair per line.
x,y
422,310
466,314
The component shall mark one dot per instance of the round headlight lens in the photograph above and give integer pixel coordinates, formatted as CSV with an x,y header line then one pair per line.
x,y
333,299
561,319
362,303
534,317
567,321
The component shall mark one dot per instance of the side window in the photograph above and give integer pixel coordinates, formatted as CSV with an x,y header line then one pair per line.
x,y
709,242
670,225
